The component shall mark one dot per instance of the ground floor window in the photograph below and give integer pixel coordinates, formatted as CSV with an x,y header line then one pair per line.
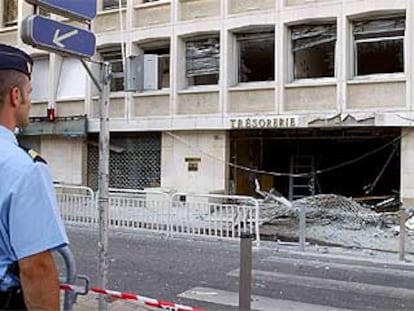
x,y
134,161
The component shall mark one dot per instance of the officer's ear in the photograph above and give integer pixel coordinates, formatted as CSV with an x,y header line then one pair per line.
x,y
15,96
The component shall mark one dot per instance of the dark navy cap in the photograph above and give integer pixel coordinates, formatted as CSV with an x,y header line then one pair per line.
x,y
12,58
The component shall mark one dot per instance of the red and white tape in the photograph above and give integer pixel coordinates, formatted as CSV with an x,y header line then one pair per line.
x,y
149,302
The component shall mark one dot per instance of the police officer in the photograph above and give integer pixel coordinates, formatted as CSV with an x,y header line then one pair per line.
x,y
30,224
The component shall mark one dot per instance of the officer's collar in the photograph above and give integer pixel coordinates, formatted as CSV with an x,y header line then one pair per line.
x,y
5,133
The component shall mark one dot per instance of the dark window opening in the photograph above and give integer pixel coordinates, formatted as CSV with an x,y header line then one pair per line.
x,y
256,57
313,48
113,4
10,13
379,46
203,61
114,56
298,151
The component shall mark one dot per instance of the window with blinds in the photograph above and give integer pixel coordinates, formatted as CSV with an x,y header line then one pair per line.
x,y
202,61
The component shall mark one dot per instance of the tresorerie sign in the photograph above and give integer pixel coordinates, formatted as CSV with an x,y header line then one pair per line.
x,y
264,122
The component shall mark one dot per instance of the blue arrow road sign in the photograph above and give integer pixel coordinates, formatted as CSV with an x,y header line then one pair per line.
x,y
55,36
78,9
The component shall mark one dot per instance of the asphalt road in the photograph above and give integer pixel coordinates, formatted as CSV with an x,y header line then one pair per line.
x,y
204,273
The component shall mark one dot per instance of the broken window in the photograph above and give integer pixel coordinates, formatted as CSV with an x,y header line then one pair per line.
x,y
256,56
157,68
379,46
203,61
313,49
113,55
10,13
113,4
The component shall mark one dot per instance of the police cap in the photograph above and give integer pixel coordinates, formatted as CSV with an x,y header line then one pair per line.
x,y
12,58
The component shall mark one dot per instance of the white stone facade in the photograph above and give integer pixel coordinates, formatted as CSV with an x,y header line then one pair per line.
x,y
202,116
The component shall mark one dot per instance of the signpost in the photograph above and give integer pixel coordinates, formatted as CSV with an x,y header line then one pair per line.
x,y
63,38
55,36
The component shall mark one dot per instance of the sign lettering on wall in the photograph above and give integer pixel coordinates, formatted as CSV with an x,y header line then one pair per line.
x,y
263,122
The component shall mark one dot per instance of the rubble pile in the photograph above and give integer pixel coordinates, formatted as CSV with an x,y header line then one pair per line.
x,y
322,208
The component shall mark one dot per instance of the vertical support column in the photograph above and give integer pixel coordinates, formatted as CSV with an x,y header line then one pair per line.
x,y
224,57
103,198
55,70
245,271
174,59
342,62
407,167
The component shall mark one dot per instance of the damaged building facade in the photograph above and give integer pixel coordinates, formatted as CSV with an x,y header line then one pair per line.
x,y
233,91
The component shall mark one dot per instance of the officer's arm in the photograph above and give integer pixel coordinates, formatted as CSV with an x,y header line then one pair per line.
x,y
39,280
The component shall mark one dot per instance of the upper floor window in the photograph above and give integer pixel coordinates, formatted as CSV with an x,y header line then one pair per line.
x,y
313,49
113,55
10,13
379,46
256,56
202,61
113,4
156,68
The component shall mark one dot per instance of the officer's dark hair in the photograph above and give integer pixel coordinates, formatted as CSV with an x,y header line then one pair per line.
x,y
8,80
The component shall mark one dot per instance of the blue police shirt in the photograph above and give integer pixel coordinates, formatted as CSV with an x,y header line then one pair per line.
x,y
30,220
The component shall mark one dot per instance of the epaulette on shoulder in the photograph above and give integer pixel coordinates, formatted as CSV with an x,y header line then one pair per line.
x,y
34,155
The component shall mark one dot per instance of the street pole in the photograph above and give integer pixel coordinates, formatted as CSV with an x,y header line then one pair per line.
x,y
403,219
302,227
245,278
103,199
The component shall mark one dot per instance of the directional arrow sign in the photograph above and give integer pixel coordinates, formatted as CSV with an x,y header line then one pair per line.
x,y
78,9
55,36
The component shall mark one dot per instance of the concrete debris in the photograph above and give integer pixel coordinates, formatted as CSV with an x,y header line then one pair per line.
x,y
409,224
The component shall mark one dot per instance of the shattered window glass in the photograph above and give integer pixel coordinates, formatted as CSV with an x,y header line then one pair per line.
x,y
113,55
379,46
313,48
203,61
256,61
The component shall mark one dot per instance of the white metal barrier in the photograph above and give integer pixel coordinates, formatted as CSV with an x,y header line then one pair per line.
x,y
224,216
138,209
209,215
77,204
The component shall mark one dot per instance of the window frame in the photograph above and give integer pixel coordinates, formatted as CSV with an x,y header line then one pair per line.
x,y
188,77
249,37
354,52
291,57
106,7
116,75
6,20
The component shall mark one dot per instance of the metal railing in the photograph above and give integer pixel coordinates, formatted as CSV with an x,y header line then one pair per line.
x,y
209,215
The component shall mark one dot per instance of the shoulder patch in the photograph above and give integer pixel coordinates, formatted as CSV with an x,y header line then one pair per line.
x,y
34,155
